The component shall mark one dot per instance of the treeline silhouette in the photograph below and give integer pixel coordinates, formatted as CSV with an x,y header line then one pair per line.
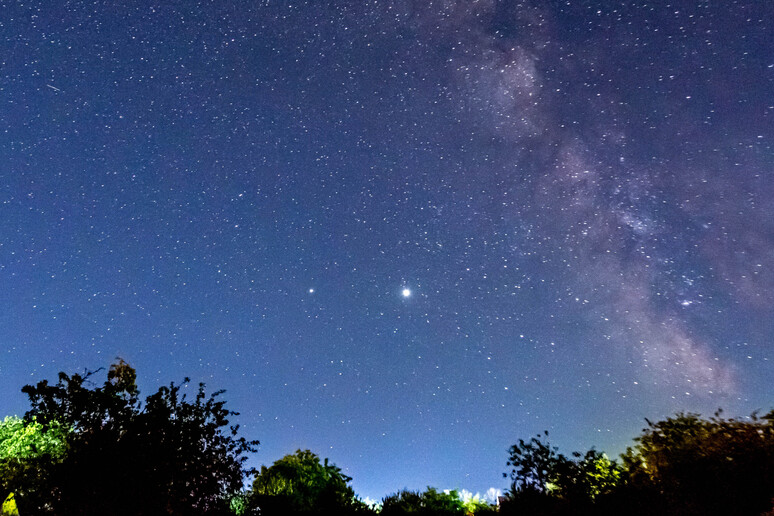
x,y
87,449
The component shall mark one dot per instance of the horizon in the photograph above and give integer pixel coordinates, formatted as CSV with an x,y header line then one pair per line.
x,y
402,235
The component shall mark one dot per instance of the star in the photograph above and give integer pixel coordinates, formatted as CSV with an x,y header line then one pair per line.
x,y
474,158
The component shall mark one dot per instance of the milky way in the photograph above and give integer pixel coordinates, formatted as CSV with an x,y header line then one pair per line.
x,y
401,234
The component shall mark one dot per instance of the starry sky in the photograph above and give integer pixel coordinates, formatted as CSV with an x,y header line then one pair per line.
x,y
402,234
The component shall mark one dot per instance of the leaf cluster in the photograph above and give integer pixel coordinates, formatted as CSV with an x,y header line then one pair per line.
x,y
683,465
544,481
431,502
166,455
300,483
704,466
28,453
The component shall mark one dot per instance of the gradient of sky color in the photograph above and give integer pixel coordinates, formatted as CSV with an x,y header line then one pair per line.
x,y
402,234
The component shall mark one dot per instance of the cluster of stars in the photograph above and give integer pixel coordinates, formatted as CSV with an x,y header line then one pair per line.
x,y
500,212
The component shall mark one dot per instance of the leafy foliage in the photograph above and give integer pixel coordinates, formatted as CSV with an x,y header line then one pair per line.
x,y
474,504
170,455
533,465
544,481
26,440
28,452
586,477
684,465
92,450
9,507
301,484
431,502
704,466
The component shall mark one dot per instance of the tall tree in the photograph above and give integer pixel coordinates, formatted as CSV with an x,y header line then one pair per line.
x,y
168,455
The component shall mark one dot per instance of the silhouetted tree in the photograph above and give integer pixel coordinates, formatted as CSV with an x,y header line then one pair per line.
x,y
691,465
544,481
170,455
533,465
429,503
301,484
585,477
682,466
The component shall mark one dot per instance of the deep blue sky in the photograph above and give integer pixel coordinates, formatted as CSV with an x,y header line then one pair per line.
x,y
578,196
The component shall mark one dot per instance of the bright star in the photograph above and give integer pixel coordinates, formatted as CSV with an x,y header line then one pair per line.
x,y
406,292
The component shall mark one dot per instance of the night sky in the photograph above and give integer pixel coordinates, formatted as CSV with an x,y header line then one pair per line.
x,y
402,234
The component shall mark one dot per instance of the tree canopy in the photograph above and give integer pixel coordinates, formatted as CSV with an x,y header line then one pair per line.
x,y
28,453
89,448
544,481
684,465
300,484
705,466
431,502
166,455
